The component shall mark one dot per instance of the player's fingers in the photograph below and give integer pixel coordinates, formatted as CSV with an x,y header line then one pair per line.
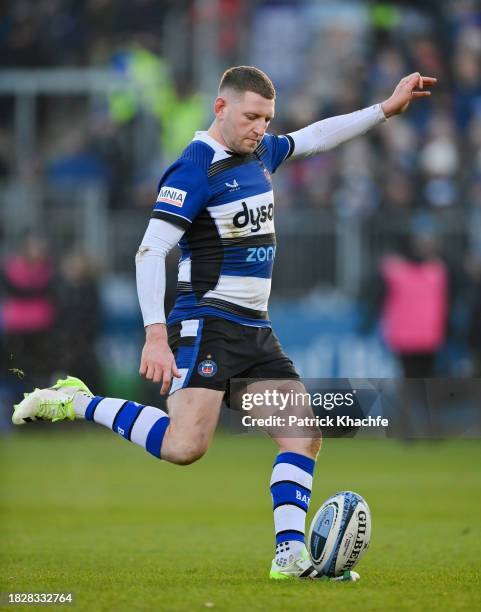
x,y
157,374
150,372
412,80
429,80
420,94
145,369
165,382
175,370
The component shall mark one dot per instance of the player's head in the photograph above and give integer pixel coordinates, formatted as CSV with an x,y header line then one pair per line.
x,y
244,107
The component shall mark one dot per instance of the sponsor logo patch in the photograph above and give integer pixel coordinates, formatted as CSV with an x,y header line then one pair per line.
x,y
207,368
255,216
172,196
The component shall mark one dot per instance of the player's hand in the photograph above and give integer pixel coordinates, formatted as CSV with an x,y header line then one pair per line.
x,y
409,88
157,362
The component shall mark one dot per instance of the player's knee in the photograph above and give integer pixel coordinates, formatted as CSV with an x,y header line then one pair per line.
x,y
303,446
311,446
314,446
190,452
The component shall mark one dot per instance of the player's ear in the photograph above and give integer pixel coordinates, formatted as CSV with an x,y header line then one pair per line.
x,y
219,106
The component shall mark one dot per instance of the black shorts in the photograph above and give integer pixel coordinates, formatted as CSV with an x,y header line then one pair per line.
x,y
210,351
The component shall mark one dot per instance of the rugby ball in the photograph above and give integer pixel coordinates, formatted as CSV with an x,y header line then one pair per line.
x,y
339,533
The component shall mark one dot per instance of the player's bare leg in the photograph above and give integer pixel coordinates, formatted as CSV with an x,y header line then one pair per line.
x,y
193,414
181,437
303,439
292,476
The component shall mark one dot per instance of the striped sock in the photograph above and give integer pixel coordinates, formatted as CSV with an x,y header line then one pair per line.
x,y
291,485
143,425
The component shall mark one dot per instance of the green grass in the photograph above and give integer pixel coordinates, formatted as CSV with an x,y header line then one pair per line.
x,y
87,512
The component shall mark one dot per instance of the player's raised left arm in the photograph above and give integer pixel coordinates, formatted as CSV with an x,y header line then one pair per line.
x,y
330,133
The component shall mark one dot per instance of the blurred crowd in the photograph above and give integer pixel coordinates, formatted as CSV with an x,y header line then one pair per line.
x,y
53,33
49,315
430,157
350,55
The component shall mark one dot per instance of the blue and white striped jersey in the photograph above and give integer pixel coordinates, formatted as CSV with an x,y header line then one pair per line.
x,y
225,203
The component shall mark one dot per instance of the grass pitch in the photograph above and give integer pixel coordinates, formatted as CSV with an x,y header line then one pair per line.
x,y
86,511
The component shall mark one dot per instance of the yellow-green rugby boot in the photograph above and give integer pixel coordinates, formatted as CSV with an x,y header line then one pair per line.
x,y
302,567
52,404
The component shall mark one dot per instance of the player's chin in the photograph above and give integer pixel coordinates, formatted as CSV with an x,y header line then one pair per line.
x,y
249,145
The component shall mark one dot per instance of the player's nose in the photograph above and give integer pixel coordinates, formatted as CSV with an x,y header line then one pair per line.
x,y
260,128
259,133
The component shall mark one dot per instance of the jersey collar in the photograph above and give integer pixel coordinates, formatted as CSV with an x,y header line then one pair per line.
x,y
220,152
204,136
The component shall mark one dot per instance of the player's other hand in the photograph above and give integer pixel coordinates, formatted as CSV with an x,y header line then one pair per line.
x,y
409,88
157,362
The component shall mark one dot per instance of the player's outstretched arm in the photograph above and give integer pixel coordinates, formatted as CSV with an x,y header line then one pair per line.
x,y
409,88
330,133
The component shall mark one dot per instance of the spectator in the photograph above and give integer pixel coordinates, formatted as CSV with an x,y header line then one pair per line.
x,y
78,318
28,310
411,297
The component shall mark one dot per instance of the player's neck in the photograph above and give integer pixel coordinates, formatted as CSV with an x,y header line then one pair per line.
x,y
215,133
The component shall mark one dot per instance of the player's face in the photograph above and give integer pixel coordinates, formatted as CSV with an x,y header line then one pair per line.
x,y
243,120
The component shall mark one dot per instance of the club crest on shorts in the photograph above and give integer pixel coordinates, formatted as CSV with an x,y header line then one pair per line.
x,y
207,368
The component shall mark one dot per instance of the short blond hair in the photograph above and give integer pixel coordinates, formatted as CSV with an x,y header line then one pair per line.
x,y
248,78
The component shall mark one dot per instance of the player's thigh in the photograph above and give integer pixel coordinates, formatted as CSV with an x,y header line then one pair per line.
x,y
287,398
287,408
194,413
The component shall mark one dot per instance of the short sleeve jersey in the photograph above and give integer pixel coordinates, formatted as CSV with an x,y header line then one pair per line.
x,y
225,203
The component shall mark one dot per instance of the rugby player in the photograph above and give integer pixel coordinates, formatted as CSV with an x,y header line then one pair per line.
x,y
216,202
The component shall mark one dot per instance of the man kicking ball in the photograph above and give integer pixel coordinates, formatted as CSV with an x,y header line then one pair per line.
x,y
216,202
